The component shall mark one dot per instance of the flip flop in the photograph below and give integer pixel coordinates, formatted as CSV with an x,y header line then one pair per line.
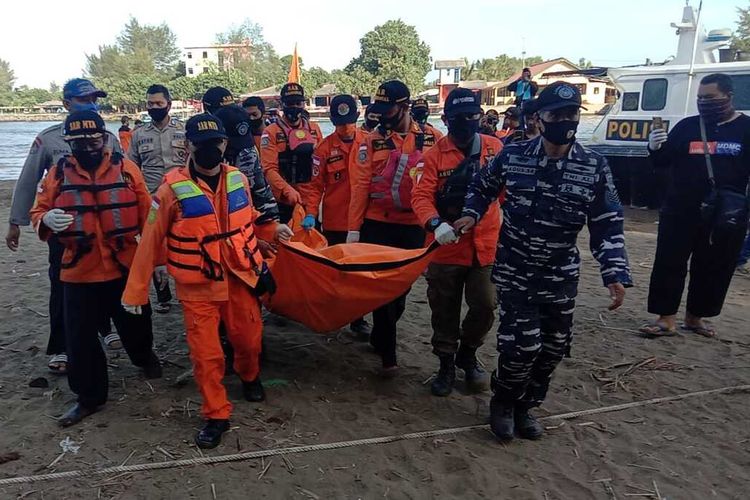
x,y
704,331
654,330
113,342
58,364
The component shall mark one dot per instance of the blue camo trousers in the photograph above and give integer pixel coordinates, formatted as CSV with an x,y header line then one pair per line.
x,y
532,340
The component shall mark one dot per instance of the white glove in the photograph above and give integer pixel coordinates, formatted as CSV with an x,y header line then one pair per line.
x,y
57,220
352,237
656,138
162,277
137,310
284,232
445,234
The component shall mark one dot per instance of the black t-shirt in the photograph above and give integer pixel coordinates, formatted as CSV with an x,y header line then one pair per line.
x,y
729,145
211,180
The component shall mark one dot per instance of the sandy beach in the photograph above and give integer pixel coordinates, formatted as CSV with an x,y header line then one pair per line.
x,y
324,389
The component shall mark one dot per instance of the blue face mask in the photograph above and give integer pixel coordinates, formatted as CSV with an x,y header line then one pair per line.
x,y
86,106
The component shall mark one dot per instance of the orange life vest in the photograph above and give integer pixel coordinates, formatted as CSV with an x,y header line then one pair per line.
x,y
391,188
195,240
295,163
107,200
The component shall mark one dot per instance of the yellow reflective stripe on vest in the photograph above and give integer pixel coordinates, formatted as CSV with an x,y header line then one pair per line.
x,y
234,181
186,189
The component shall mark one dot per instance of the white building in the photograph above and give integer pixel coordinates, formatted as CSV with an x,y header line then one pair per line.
x,y
218,57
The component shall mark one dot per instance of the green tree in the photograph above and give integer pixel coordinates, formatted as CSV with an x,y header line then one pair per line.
x,y
392,50
7,79
498,68
741,40
314,78
584,63
54,89
262,66
159,42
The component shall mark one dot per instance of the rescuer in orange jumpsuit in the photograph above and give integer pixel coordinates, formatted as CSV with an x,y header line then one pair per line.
x,y
286,149
205,213
332,161
95,202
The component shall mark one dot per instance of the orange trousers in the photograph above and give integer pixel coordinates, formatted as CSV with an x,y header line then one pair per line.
x,y
242,319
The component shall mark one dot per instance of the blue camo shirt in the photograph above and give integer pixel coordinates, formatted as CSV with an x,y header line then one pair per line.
x,y
547,204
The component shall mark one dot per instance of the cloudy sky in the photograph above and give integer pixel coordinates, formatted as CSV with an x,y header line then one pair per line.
x,y
47,41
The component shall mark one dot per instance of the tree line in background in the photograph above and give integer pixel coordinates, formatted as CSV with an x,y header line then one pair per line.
x,y
145,54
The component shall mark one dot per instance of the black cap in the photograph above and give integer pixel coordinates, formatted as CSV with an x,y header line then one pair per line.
x,y
254,100
513,112
237,126
216,97
558,95
529,107
81,87
292,93
204,127
389,94
420,103
344,110
461,100
83,125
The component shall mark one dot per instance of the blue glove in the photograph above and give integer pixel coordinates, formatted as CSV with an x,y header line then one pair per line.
x,y
308,222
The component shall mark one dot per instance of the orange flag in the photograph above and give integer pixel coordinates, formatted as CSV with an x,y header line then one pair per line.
x,y
294,73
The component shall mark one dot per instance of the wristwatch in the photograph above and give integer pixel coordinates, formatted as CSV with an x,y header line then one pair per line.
x,y
432,224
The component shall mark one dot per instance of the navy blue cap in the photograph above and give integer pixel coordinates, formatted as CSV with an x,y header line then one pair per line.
x,y
216,97
204,127
83,125
344,110
389,94
237,126
558,95
80,87
420,103
292,93
461,100
513,112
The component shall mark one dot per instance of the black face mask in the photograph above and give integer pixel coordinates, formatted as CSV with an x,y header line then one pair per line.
x,y
421,116
391,123
560,133
208,156
292,114
158,114
715,110
256,124
89,160
462,130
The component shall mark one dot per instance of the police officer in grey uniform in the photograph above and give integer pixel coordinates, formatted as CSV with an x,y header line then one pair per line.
x,y
554,186
49,146
156,148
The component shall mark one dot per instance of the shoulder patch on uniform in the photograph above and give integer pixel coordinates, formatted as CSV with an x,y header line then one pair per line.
x,y
153,211
35,146
380,144
362,153
264,140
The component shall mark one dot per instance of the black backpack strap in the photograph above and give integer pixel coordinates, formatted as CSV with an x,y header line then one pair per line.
x,y
420,141
116,158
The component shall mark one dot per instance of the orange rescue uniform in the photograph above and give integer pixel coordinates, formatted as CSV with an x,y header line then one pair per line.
x,y
372,156
125,137
333,162
212,253
274,142
100,262
479,244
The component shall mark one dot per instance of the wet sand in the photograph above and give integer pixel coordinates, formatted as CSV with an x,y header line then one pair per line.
x,y
324,389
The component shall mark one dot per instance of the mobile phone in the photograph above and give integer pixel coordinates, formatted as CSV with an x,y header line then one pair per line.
x,y
657,122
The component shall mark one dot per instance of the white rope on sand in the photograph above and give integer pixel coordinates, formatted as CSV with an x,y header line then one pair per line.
x,y
170,464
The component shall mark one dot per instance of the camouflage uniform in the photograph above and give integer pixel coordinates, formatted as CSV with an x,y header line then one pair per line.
x,y
248,162
537,264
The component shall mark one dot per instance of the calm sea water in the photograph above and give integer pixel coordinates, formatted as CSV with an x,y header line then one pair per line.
x,y
16,138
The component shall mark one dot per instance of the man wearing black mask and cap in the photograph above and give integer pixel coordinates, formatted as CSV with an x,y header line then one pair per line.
x,y
255,109
216,97
463,264
553,187
703,220
420,111
388,164
371,120
156,148
286,150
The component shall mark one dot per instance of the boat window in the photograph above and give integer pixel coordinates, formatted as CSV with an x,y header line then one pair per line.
x,y
654,94
630,101
741,85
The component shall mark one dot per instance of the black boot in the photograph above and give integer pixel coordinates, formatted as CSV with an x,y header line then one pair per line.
x,y
75,414
443,384
361,330
527,425
501,419
210,435
152,369
475,376
253,391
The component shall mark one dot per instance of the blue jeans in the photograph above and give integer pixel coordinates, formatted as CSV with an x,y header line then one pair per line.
x,y
745,252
